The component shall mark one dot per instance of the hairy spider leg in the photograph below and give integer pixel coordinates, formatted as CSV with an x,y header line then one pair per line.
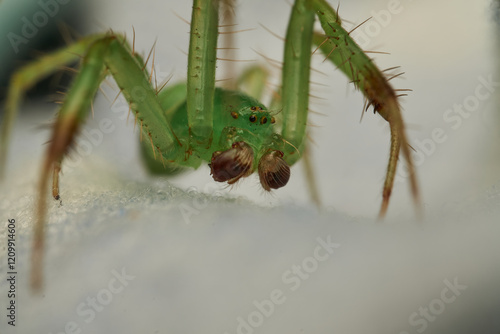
x,y
103,54
202,59
295,78
341,49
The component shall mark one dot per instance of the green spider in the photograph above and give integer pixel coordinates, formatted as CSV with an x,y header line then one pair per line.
x,y
188,124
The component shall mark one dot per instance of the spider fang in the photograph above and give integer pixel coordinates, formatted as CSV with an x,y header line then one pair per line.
x,y
232,164
274,172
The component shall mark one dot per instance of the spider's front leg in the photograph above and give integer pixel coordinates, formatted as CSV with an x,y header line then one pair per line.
x,y
296,73
102,54
342,50
201,73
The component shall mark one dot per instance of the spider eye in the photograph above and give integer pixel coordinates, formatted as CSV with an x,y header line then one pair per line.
x,y
252,118
234,114
232,164
263,120
274,172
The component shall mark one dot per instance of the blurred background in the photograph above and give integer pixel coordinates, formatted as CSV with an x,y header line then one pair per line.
x,y
31,29
449,52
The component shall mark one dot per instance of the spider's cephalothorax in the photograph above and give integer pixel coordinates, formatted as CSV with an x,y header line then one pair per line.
x,y
255,145
243,141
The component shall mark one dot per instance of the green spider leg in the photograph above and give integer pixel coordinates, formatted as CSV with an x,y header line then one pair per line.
x,y
201,72
103,54
342,50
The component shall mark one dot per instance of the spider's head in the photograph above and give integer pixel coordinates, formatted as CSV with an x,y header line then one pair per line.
x,y
247,126
237,162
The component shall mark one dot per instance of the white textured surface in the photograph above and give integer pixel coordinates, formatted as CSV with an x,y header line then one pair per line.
x,y
200,275
203,274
